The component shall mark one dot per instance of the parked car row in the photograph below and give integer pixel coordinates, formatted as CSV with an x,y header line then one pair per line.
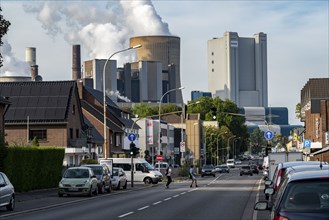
x,y
298,190
91,179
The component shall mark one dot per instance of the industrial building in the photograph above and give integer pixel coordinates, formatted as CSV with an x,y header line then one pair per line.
x,y
237,69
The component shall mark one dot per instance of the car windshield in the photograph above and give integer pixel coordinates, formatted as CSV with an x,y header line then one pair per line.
x,y
208,167
307,195
97,170
245,167
76,173
223,166
115,172
148,166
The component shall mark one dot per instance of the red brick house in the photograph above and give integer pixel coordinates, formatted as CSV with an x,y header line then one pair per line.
x,y
50,111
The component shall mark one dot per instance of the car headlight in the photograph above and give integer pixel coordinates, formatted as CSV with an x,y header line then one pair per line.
x,y
202,170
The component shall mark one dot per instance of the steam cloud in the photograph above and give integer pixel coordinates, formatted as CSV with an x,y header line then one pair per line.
x,y
100,28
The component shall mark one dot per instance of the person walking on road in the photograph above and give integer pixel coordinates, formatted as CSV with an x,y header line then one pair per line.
x,y
168,175
192,176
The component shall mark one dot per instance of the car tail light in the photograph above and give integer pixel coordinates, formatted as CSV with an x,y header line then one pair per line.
x,y
278,217
278,180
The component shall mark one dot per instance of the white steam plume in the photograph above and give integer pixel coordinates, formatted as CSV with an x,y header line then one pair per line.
x,y
100,28
11,65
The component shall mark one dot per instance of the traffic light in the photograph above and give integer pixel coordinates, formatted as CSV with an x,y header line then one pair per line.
x,y
214,112
133,149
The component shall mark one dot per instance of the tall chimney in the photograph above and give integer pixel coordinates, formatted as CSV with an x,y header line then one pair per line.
x,y
30,56
76,62
34,72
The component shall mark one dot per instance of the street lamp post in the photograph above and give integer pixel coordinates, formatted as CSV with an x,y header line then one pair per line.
x,y
228,146
159,135
217,154
234,146
104,96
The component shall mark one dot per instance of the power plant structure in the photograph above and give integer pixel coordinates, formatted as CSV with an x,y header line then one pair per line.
x,y
237,69
166,50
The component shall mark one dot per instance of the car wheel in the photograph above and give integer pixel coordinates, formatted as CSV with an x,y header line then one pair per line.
x,y
90,193
11,205
213,175
102,189
148,180
110,188
118,186
125,186
240,174
201,175
96,191
60,195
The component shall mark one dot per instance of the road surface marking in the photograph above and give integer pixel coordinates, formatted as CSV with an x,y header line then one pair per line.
x,y
145,207
176,196
157,203
129,213
167,199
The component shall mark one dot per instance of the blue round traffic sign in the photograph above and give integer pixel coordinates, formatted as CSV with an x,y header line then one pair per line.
x,y
132,137
268,135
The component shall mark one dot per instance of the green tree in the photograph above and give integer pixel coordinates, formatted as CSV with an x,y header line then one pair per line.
x,y
4,26
257,141
298,111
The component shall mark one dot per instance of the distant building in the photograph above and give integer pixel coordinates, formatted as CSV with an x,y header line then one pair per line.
x,y
198,94
271,118
237,69
140,81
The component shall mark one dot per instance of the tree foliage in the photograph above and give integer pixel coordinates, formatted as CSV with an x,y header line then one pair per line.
x,y
298,110
4,26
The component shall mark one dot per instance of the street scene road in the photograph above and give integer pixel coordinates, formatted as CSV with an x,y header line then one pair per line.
x,y
226,196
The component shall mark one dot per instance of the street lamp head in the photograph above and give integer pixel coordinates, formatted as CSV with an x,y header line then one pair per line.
x,y
181,87
136,46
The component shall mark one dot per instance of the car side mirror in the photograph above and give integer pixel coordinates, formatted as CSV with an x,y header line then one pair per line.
x,y
93,176
269,191
261,205
268,182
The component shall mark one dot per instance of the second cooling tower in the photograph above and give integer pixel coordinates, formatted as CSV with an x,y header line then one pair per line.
x,y
165,49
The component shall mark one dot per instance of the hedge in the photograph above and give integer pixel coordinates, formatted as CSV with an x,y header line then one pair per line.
x,y
31,168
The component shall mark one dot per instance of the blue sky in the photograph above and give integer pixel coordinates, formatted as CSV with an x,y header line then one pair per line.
x,y
297,36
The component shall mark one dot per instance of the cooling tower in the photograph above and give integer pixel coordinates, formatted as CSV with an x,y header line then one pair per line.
x,y
76,62
30,56
165,49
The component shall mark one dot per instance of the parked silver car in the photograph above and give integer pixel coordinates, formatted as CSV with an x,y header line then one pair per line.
x,y
102,173
7,193
119,178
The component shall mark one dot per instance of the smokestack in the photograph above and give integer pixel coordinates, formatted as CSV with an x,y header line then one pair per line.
x,y
30,56
34,72
76,62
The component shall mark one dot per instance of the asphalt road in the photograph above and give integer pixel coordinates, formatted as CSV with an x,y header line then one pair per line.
x,y
227,197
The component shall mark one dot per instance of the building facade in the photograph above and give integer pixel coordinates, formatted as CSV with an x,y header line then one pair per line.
x,y
315,115
198,94
237,69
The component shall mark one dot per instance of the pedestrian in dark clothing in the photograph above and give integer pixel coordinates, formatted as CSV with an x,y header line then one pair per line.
x,y
168,175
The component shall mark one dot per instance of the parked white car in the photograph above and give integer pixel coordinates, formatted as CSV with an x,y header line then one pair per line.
x,y
119,178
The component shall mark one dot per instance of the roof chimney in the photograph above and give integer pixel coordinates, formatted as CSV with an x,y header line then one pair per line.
x,y
76,62
34,72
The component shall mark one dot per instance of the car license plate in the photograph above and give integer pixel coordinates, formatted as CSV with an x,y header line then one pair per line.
x,y
73,189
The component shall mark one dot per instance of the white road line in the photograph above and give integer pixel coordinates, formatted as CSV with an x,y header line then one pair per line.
x,y
145,207
129,213
176,196
167,199
182,193
157,203
255,213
